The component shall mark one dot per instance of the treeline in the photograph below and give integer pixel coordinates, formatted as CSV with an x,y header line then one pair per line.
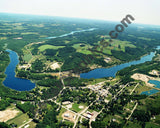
x,y
27,107
75,82
129,54
4,103
32,76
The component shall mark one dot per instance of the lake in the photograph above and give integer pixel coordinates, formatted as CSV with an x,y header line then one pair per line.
x,y
153,91
111,72
13,82
25,85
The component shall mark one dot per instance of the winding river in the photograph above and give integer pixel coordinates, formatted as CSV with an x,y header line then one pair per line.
x,y
71,33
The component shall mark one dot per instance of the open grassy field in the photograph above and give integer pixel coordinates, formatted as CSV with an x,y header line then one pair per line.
x,y
32,125
95,81
19,120
75,107
29,33
82,48
120,45
44,47
117,45
142,88
151,125
27,57
144,38
132,125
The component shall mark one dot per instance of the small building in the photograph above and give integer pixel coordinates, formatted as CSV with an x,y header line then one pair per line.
x,y
87,115
66,115
66,102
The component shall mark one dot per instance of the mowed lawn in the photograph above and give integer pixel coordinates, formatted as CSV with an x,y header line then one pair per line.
x,y
75,107
44,47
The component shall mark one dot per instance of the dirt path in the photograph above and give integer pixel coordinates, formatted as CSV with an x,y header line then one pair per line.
x,y
132,111
25,123
134,89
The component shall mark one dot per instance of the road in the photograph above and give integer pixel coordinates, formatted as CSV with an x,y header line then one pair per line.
x,y
80,114
132,111
134,89
30,120
120,91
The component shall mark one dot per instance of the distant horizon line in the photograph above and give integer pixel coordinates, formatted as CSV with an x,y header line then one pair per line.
x,y
104,20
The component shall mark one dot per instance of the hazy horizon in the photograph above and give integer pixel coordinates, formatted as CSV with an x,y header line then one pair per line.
x,y
144,11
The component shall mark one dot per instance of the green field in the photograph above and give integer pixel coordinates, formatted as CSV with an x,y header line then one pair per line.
x,y
19,120
132,125
144,38
75,107
82,48
151,125
115,45
142,88
120,45
44,47
27,57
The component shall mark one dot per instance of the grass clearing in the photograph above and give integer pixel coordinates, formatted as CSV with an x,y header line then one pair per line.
x,y
95,81
59,117
151,125
75,107
44,47
27,57
32,124
141,89
82,48
144,38
132,125
115,45
29,33
19,120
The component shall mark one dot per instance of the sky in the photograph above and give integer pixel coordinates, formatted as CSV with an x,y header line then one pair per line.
x,y
144,11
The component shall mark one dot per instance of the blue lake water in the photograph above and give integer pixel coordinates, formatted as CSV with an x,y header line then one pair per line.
x,y
25,85
153,91
111,72
13,82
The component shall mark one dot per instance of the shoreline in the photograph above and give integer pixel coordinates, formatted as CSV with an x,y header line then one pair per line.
x,y
145,78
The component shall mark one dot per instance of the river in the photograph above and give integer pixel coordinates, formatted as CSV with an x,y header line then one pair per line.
x,y
24,85
71,33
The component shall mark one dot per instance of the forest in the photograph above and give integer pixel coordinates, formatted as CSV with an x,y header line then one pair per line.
x,y
79,52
